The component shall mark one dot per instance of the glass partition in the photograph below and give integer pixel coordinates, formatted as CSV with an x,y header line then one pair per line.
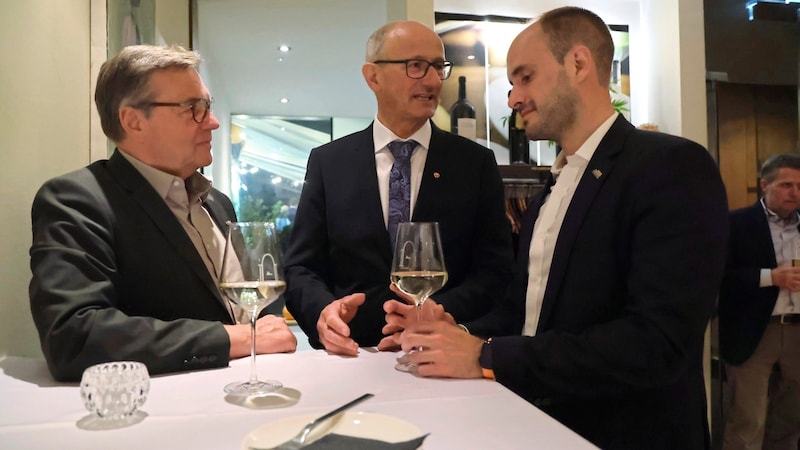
x,y
268,162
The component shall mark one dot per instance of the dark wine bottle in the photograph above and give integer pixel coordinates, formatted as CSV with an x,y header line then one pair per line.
x,y
462,113
518,142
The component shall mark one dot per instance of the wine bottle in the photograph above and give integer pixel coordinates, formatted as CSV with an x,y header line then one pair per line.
x,y
462,113
517,140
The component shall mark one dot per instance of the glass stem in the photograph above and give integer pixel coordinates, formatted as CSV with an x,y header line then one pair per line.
x,y
253,318
419,314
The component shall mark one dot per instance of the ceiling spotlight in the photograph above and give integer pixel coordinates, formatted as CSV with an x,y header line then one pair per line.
x,y
284,100
284,48
471,57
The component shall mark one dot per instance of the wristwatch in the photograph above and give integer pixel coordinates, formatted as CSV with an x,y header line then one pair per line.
x,y
485,359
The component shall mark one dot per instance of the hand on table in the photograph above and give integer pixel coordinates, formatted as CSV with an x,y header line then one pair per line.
x,y
400,315
447,351
334,333
272,336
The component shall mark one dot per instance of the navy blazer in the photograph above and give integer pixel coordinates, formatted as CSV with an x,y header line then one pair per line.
x,y
617,356
116,277
340,245
744,307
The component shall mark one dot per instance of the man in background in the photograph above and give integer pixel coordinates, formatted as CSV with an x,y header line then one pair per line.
x,y
126,252
759,314
620,260
340,253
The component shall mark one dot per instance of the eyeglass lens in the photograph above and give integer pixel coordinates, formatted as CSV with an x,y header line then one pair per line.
x,y
200,110
418,68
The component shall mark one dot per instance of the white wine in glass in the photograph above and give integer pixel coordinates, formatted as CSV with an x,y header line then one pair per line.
x,y
418,267
251,279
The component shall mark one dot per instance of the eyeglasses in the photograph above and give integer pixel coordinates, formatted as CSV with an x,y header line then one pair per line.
x,y
200,107
418,68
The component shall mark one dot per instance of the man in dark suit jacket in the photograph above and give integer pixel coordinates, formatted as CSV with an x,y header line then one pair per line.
x,y
126,251
759,313
618,265
340,254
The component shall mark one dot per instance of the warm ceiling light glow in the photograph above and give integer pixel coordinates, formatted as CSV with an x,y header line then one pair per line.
x,y
284,100
471,57
284,48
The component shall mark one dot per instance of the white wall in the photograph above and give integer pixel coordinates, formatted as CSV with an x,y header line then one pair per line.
x,y
44,110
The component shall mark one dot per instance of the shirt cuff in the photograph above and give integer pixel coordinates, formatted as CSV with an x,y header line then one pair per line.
x,y
766,278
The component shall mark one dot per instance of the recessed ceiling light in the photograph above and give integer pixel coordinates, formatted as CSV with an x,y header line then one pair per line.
x,y
284,100
284,48
471,57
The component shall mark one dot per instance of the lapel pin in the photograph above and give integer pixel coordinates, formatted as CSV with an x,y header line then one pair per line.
x,y
597,173
436,175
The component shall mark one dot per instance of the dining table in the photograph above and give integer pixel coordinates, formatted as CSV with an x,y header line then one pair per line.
x,y
191,411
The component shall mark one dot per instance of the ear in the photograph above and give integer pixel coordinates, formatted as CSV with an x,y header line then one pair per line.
x,y
131,120
370,72
581,62
763,183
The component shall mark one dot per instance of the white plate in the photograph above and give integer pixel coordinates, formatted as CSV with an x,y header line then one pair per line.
x,y
356,424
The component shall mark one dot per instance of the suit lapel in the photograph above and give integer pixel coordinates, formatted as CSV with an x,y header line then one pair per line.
x,y
598,170
435,162
163,218
361,163
762,236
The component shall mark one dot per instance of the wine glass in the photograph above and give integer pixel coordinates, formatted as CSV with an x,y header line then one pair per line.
x,y
251,279
418,265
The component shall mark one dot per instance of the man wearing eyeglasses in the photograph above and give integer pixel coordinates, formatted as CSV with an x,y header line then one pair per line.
x,y
126,252
340,253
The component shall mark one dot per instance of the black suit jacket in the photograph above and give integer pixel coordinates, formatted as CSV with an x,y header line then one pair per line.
x,y
617,356
744,307
115,276
339,243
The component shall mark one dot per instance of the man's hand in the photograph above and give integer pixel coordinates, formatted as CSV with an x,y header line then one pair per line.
x,y
447,351
400,315
786,277
334,333
272,336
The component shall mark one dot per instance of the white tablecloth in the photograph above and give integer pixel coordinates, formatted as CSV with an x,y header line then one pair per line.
x,y
191,411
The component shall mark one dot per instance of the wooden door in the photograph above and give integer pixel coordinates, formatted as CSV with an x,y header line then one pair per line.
x,y
753,122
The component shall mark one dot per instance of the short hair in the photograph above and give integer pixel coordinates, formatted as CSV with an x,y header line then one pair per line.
x,y
376,41
769,170
123,80
567,26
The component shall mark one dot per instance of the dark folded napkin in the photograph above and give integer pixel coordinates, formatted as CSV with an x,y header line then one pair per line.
x,y
341,442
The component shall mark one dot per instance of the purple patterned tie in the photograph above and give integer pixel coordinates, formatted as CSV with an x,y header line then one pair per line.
x,y
400,185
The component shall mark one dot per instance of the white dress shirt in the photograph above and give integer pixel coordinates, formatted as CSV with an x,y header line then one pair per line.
x,y
382,136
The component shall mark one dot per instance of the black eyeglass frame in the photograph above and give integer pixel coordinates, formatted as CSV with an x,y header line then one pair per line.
x,y
447,66
191,104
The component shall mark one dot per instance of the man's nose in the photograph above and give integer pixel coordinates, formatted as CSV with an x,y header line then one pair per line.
x,y
213,123
514,98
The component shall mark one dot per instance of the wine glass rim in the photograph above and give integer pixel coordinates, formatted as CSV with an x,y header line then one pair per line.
x,y
251,222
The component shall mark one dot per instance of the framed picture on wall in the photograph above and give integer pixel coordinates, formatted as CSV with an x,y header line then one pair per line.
x,y
130,22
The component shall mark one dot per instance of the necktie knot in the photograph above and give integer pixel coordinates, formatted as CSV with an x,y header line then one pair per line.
x,y
401,150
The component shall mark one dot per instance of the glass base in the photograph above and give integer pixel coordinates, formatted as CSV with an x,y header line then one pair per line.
x,y
247,388
406,367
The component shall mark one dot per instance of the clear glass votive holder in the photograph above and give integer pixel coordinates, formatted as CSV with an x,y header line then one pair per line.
x,y
115,390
